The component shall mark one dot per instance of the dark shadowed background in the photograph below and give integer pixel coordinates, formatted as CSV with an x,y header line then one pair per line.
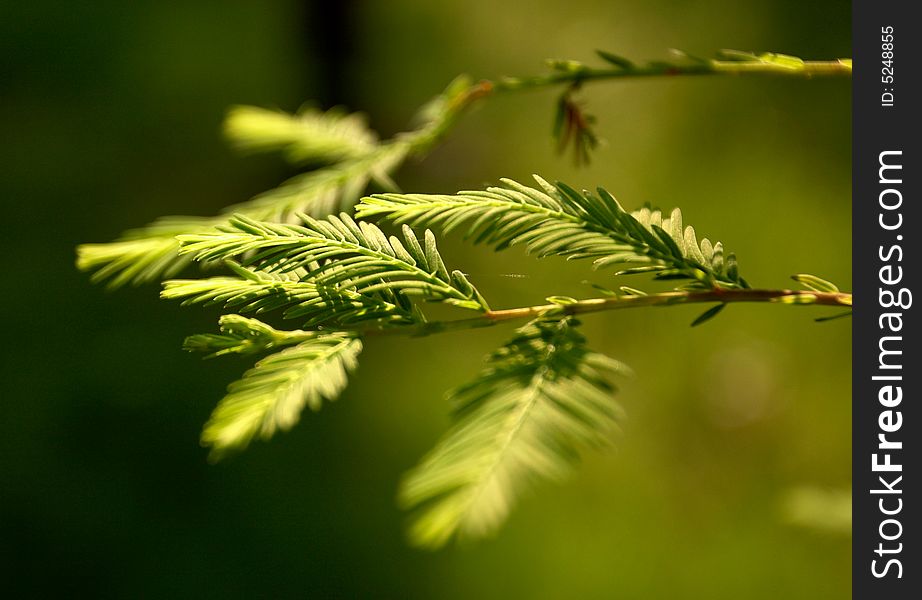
x,y
110,115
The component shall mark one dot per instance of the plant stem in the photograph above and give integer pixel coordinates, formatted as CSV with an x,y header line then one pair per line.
x,y
577,75
720,295
574,74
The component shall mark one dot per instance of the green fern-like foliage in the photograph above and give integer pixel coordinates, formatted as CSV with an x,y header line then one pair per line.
x,y
542,397
270,396
140,255
337,274
337,252
294,250
241,335
259,292
325,191
556,220
345,158
309,136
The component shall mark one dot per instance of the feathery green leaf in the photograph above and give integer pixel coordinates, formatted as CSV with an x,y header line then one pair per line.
x,y
240,335
309,136
556,220
151,253
140,255
337,251
258,292
324,191
542,398
271,395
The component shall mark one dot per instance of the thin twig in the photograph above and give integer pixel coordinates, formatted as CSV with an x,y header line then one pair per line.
x,y
720,295
751,66
805,69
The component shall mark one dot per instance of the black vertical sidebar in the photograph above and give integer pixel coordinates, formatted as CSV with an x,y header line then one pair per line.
x,y
886,264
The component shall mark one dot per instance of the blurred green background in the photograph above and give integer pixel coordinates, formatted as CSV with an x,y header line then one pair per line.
x,y
111,112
